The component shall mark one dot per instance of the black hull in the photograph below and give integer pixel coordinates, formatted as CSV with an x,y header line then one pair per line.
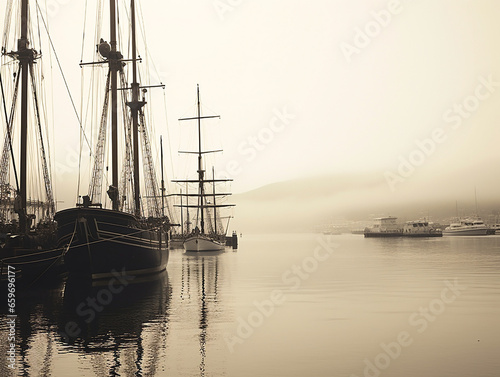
x,y
31,257
32,265
104,243
399,234
383,235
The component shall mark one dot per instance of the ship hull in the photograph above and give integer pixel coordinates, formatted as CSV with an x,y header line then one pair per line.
x,y
467,232
200,243
412,235
32,256
30,266
103,243
399,234
383,234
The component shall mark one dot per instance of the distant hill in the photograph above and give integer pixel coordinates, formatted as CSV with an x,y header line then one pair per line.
x,y
300,205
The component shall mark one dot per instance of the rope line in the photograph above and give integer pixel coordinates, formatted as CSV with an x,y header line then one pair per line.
x,y
64,77
59,257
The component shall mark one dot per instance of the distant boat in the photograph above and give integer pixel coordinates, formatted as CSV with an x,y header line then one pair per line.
x,y
209,233
421,228
357,231
468,227
496,228
384,227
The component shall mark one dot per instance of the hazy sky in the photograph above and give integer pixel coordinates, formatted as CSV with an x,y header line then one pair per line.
x,y
306,88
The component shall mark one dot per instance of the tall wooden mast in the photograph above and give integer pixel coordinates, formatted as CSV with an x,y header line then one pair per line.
x,y
201,172
135,105
214,203
162,180
114,66
202,205
25,57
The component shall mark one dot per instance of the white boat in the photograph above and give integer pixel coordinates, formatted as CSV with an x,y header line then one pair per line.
x,y
209,233
384,227
421,228
202,242
468,227
496,228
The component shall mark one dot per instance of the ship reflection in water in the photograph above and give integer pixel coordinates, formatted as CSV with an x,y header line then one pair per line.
x,y
122,326
202,271
207,316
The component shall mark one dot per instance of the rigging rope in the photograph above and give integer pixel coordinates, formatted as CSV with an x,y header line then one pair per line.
x,y
64,79
38,29
44,108
9,136
83,32
8,20
45,166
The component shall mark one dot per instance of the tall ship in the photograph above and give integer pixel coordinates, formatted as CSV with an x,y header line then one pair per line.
x,y
468,227
132,235
384,227
27,204
208,233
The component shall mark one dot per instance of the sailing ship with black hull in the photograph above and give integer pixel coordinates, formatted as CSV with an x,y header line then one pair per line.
x,y
209,233
132,236
27,205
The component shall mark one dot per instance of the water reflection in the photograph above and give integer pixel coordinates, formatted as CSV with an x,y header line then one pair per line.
x,y
200,273
364,293
171,324
37,310
120,323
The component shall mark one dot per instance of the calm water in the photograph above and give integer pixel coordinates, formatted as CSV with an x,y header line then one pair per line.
x,y
282,305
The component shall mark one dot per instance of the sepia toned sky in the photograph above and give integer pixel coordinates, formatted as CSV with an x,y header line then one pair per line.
x,y
399,89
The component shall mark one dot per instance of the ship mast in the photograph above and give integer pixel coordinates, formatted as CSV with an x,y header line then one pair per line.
x,y
162,180
188,221
182,217
114,66
135,105
25,57
201,172
214,204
